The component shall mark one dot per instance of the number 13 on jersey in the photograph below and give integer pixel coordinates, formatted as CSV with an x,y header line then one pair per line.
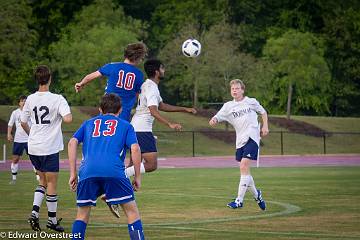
x,y
110,128
127,81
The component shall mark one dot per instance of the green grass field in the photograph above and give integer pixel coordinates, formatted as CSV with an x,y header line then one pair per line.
x,y
303,203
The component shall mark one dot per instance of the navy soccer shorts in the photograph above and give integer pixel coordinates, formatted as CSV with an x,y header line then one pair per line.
x,y
146,142
18,148
47,163
250,150
117,191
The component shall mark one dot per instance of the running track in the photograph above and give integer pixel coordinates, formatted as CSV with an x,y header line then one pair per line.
x,y
228,161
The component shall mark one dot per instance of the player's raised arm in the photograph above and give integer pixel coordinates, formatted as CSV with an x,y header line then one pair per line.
x,y
88,78
156,114
72,153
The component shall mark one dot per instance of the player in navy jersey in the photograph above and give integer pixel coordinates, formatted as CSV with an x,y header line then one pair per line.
x,y
105,139
124,78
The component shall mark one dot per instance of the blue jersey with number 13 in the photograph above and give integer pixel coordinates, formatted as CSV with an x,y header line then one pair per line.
x,y
105,139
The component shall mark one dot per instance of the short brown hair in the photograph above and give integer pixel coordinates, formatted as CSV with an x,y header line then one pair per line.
x,y
42,74
110,103
135,51
238,81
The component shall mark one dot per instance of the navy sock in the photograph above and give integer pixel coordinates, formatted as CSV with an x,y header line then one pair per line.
x,y
78,228
136,231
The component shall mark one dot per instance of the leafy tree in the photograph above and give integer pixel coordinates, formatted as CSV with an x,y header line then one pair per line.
x,y
301,72
50,16
97,36
206,78
17,52
342,34
172,16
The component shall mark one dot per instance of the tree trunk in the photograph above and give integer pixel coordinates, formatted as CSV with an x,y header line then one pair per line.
x,y
288,108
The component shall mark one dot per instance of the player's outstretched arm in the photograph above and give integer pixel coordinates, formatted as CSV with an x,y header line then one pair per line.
x,y
265,126
88,78
213,121
72,153
156,114
171,108
136,159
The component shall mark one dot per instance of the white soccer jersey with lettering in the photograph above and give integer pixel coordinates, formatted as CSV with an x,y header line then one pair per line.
x,y
142,120
243,116
20,134
45,110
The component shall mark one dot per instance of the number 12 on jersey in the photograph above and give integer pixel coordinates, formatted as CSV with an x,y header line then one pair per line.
x,y
126,82
110,128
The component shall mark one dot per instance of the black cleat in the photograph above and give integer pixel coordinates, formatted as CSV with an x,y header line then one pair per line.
x,y
55,227
34,223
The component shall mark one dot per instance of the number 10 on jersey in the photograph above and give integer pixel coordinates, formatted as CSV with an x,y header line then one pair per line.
x,y
126,82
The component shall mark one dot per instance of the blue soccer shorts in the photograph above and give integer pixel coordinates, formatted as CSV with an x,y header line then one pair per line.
x,y
146,142
250,150
117,191
18,148
47,163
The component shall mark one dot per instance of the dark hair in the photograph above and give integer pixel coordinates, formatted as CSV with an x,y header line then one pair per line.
x,y
151,66
110,103
135,51
22,97
42,74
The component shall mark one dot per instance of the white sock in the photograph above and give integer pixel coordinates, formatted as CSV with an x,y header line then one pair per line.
x,y
14,170
51,203
130,171
252,187
38,198
243,186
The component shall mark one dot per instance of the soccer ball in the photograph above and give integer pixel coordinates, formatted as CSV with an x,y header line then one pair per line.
x,y
191,48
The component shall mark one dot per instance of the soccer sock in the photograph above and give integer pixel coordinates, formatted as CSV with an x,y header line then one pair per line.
x,y
51,203
252,187
130,171
38,198
79,228
14,170
136,231
243,185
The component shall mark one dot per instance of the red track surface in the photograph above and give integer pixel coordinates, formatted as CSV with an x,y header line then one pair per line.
x,y
228,161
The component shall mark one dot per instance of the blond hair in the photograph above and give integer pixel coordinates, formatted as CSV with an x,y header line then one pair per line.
x,y
238,81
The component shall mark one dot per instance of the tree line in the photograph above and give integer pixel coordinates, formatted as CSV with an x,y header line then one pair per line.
x,y
298,57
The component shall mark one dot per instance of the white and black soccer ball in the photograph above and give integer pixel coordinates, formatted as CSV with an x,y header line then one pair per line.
x,y
191,48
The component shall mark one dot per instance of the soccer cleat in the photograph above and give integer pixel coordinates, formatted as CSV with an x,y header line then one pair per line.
x,y
115,209
34,223
55,227
12,182
260,201
235,204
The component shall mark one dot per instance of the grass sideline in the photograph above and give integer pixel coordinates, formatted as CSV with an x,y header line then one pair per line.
x,y
321,203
